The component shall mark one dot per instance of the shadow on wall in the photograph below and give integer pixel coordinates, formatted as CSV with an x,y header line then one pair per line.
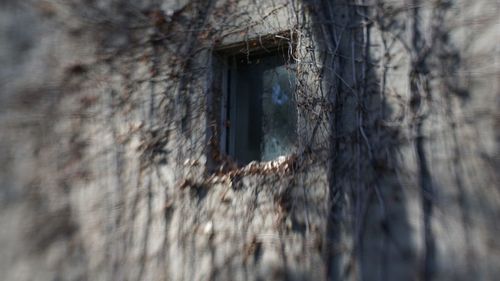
x,y
368,183
368,232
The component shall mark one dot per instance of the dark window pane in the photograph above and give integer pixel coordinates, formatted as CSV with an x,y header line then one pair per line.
x,y
246,117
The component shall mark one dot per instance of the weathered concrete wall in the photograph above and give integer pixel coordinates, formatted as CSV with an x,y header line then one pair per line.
x,y
106,164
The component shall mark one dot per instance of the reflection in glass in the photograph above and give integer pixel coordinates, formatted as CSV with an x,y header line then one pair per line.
x,y
278,114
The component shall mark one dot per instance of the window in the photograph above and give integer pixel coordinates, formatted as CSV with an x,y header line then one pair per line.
x,y
258,110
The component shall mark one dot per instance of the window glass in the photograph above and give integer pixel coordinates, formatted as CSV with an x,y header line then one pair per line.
x,y
279,117
263,116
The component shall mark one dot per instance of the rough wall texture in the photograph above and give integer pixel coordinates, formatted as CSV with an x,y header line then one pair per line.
x,y
109,172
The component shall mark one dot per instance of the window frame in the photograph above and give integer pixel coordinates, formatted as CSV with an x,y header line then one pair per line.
x,y
224,107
